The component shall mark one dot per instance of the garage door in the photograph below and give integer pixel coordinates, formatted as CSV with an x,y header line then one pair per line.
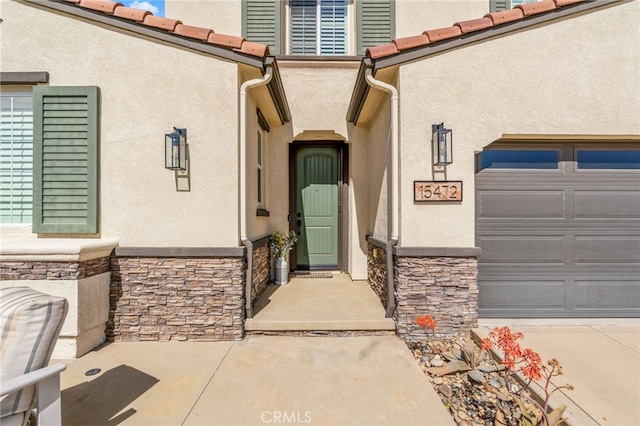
x,y
559,229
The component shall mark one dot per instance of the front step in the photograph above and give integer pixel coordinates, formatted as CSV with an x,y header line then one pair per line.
x,y
384,324
335,306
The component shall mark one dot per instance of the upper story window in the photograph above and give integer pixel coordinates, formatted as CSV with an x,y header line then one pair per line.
x,y
318,27
498,5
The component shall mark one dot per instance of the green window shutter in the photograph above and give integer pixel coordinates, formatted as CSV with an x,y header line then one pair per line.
x,y
498,5
261,23
16,157
376,22
65,160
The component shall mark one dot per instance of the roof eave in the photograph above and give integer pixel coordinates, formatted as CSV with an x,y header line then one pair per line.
x,y
276,89
151,32
476,36
360,94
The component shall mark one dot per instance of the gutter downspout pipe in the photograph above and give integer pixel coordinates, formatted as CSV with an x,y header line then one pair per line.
x,y
393,188
243,184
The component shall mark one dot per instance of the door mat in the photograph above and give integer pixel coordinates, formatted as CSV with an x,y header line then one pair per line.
x,y
311,274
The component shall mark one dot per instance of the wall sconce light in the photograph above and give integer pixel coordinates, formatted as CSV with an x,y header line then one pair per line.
x,y
442,145
175,150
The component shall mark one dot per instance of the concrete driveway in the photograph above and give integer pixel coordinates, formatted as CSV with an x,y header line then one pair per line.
x,y
260,380
601,358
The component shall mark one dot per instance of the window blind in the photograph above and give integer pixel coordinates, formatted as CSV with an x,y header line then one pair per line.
x,y
16,158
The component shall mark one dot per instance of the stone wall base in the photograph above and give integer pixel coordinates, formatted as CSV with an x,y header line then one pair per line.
x,y
377,272
440,282
444,287
176,298
261,271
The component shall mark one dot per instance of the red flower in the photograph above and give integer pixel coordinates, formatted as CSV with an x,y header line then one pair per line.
x,y
526,360
532,364
426,321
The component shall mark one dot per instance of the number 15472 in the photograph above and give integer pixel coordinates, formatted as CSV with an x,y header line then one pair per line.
x,y
437,191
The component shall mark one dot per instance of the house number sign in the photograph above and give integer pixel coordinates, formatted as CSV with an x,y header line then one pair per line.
x,y
437,191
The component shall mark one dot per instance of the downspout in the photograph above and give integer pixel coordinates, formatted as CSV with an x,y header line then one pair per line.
x,y
242,181
393,175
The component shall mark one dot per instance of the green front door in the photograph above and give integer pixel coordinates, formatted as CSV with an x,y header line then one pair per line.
x,y
317,207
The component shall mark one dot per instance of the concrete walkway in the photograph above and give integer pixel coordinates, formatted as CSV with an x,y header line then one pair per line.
x,y
335,303
260,380
601,358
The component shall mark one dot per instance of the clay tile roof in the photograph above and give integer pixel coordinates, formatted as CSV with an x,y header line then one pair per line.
x,y
254,49
193,32
226,40
174,26
443,33
160,22
529,9
131,13
405,43
505,16
100,5
382,50
463,27
560,3
474,25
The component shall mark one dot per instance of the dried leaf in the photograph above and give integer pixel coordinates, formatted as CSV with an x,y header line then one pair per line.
x,y
487,368
476,376
555,417
449,368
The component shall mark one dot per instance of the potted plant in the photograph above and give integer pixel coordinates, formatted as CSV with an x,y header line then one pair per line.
x,y
280,245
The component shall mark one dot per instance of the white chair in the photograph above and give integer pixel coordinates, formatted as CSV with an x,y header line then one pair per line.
x,y
30,324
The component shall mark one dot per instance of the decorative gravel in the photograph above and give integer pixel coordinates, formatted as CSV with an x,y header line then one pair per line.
x,y
469,402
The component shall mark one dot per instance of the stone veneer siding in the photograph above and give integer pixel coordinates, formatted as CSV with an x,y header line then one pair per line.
x,y
261,270
441,282
377,272
444,287
176,298
37,270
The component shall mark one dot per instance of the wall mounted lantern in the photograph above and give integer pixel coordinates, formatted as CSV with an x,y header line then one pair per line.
x,y
442,145
175,150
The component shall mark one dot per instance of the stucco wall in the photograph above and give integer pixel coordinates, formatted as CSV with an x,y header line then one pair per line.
x,y
379,143
257,226
223,16
140,102
575,76
413,17
319,94
277,158
359,193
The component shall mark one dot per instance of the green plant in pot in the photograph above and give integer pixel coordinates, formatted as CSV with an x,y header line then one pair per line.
x,y
280,245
